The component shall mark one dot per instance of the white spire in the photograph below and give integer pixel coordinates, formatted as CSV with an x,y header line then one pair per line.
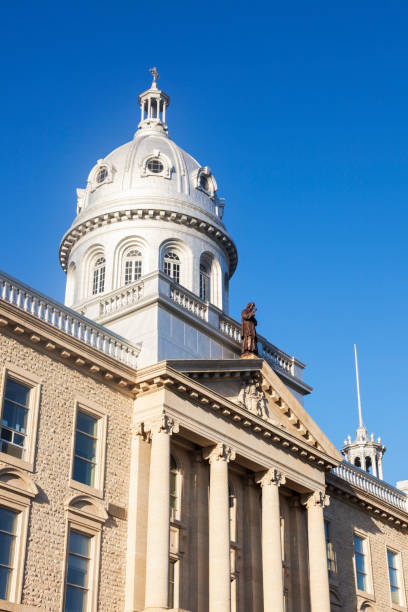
x,y
360,416
364,452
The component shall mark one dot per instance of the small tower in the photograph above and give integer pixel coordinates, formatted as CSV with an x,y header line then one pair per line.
x,y
153,104
364,452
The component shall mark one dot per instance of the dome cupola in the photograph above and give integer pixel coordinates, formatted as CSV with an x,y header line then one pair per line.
x,y
153,105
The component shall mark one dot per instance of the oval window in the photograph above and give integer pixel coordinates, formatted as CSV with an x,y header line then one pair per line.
x,y
155,166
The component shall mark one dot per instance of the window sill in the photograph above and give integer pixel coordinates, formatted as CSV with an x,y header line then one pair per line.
x,y
83,488
8,606
399,607
19,463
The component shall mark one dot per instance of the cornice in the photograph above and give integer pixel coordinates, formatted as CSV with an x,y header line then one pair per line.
x,y
379,509
161,375
152,213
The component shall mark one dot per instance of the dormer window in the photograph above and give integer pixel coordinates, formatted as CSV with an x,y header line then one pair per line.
x,y
102,175
155,166
203,180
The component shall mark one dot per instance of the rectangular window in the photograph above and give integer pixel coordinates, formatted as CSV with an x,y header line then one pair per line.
x,y
128,272
98,285
360,560
14,418
85,450
393,572
77,576
8,531
174,568
331,566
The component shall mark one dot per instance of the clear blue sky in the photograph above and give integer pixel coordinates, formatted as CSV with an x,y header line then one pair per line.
x,y
300,111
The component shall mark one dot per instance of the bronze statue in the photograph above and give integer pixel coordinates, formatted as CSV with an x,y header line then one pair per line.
x,y
248,332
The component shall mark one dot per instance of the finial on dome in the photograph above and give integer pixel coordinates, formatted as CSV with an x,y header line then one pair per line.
x,y
153,105
155,75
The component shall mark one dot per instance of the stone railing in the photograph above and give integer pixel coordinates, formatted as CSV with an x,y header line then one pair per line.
x,y
274,356
121,299
189,301
230,328
370,484
66,320
277,358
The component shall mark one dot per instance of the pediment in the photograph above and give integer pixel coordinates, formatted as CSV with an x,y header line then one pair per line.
x,y
254,386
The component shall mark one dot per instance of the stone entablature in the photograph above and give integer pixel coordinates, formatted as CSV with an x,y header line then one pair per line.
x,y
153,212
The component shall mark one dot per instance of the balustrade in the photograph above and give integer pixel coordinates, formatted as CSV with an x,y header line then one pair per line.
x,y
366,482
66,320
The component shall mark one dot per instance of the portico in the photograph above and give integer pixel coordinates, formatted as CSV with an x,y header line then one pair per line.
x,y
205,432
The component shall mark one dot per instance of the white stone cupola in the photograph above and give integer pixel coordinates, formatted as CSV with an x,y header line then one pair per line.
x,y
364,452
148,254
153,105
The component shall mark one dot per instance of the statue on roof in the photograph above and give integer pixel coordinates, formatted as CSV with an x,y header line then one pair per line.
x,y
249,339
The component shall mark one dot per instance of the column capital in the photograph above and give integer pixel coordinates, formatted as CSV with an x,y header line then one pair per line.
x,y
219,452
318,498
271,477
161,424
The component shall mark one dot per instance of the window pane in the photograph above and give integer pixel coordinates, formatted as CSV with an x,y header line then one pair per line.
x,y
5,575
361,582
77,571
8,520
86,423
85,446
360,563
6,548
14,416
14,451
393,577
17,392
395,598
75,599
79,543
358,544
84,471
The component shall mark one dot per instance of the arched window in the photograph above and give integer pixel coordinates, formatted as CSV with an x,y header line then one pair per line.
x,y
101,175
204,282
174,489
357,462
172,265
98,282
133,266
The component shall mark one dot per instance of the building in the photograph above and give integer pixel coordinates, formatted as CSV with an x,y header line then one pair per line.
x,y
143,464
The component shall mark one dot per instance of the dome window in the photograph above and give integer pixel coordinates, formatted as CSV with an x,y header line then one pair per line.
x,y
155,166
102,175
203,180
98,281
172,265
133,266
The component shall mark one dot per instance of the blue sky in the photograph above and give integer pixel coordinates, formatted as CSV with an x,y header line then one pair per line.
x,y
300,111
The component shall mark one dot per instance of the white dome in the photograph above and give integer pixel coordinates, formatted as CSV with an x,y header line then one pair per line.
x,y
130,180
150,180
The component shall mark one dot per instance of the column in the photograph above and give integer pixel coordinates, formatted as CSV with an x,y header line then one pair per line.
x,y
318,573
158,520
219,536
271,541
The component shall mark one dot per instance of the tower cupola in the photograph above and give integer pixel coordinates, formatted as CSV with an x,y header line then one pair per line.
x,y
364,452
153,105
